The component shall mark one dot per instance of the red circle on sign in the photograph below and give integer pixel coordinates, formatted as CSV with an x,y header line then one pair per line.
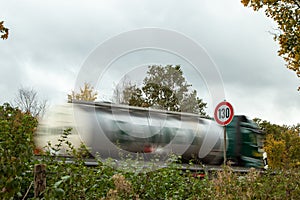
x,y
218,115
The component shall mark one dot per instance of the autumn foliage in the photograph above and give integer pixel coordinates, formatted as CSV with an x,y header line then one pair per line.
x,y
3,31
286,13
86,93
282,145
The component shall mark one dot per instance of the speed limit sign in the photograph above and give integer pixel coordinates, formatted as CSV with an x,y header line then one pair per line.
x,y
223,113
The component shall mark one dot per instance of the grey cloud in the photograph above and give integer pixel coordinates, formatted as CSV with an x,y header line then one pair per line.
x,y
56,37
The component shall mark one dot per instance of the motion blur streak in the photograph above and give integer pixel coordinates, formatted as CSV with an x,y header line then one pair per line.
x,y
112,130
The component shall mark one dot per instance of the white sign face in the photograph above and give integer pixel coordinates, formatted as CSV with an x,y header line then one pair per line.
x,y
223,113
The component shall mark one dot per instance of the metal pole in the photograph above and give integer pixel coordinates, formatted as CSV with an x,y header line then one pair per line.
x,y
225,160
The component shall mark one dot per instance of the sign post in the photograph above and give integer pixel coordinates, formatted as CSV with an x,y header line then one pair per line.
x,y
223,115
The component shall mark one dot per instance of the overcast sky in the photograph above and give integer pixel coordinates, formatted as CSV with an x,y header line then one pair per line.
x,y
49,42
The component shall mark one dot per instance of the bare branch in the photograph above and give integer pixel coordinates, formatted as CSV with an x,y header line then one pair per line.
x,y
27,101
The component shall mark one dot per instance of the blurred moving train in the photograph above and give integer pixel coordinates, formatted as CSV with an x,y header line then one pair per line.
x,y
112,130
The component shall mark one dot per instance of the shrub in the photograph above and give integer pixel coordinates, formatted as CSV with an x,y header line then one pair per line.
x,y
16,151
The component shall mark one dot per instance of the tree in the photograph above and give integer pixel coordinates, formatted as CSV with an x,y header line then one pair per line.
x,y
27,101
123,91
87,93
164,88
282,144
3,31
287,15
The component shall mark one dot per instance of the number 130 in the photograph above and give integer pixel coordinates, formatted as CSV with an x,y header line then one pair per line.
x,y
224,113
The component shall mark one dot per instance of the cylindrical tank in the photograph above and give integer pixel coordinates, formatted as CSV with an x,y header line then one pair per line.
x,y
116,130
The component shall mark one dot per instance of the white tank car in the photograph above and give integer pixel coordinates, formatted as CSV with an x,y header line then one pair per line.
x,y
115,131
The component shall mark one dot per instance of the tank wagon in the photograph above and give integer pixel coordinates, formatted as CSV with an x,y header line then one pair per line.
x,y
112,131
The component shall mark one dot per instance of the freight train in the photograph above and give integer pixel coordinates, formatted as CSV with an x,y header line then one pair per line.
x,y
112,130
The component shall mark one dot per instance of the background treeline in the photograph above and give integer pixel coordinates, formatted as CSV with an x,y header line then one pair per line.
x,y
282,144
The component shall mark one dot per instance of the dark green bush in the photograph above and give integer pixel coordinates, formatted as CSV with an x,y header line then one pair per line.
x,y
16,151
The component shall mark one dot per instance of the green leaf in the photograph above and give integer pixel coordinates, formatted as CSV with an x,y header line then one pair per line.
x,y
59,192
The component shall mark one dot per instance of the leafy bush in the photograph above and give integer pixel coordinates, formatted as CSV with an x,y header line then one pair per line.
x,y
282,145
75,180
16,151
